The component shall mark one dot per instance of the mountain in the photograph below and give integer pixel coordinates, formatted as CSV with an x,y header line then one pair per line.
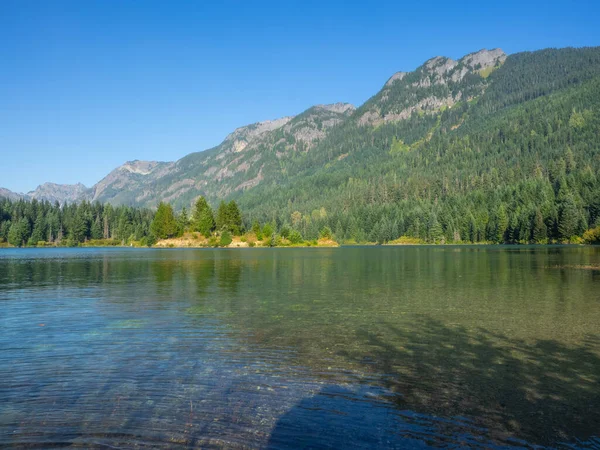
x,y
246,157
51,192
61,193
5,193
268,152
485,148
489,147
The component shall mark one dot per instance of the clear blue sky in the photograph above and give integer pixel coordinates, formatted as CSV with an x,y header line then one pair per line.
x,y
87,85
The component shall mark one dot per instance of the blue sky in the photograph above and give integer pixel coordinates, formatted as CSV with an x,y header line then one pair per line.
x,y
88,85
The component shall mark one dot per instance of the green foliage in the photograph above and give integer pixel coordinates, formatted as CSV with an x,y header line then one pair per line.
x,y
398,146
18,233
492,170
516,160
295,237
225,239
325,233
568,218
183,222
203,219
268,230
164,224
592,236
257,230
229,218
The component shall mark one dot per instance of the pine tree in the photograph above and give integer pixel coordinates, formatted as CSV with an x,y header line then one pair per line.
x,y
501,224
18,234
222,218
568,218
164,224
234,218
203,220
540,231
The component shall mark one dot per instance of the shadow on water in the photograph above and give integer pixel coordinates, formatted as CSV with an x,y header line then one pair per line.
x,y
454,387
543,392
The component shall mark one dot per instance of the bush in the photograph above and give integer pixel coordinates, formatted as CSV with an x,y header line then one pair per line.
x,y
325,233
592,236
295,237
267,230
285,232
225,239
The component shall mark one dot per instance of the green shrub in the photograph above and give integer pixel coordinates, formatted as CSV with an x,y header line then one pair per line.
x,y
592,236
325,233
225,239
295,237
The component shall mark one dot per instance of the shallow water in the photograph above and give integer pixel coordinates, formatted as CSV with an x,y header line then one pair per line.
x,y
409,347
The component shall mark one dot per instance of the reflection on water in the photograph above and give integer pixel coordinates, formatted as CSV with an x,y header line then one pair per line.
x,y
287,348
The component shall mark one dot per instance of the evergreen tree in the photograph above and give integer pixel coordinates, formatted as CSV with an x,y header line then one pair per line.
x,y
203,220
18,234
501,224
79,227
568,218
540,231
234,218
164,224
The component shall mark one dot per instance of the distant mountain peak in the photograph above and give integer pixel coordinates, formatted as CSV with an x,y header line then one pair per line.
x,y
437,81
61,193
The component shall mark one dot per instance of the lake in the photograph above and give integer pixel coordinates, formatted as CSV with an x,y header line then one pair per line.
x,y
362,347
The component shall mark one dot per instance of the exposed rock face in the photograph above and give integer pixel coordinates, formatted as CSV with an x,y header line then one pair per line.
x,y
51,192
130,177
397,76
434,85
61,193
13,196
484,58
240,162
312,125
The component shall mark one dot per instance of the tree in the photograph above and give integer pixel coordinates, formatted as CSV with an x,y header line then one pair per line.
x,y
501,224
295,237
436,233
540,231
96,229
39,229
568,218
325,233
79,227
234,217
203,219
18,234
225,239
164,224
182,222
222,219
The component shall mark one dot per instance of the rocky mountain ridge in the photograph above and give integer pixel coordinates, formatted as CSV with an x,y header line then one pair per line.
x,y
265,151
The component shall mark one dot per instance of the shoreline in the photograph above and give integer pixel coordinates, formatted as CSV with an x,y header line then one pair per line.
x,y
337,245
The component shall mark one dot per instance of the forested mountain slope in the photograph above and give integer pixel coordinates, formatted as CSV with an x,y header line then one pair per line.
x,y
486,148
515,157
